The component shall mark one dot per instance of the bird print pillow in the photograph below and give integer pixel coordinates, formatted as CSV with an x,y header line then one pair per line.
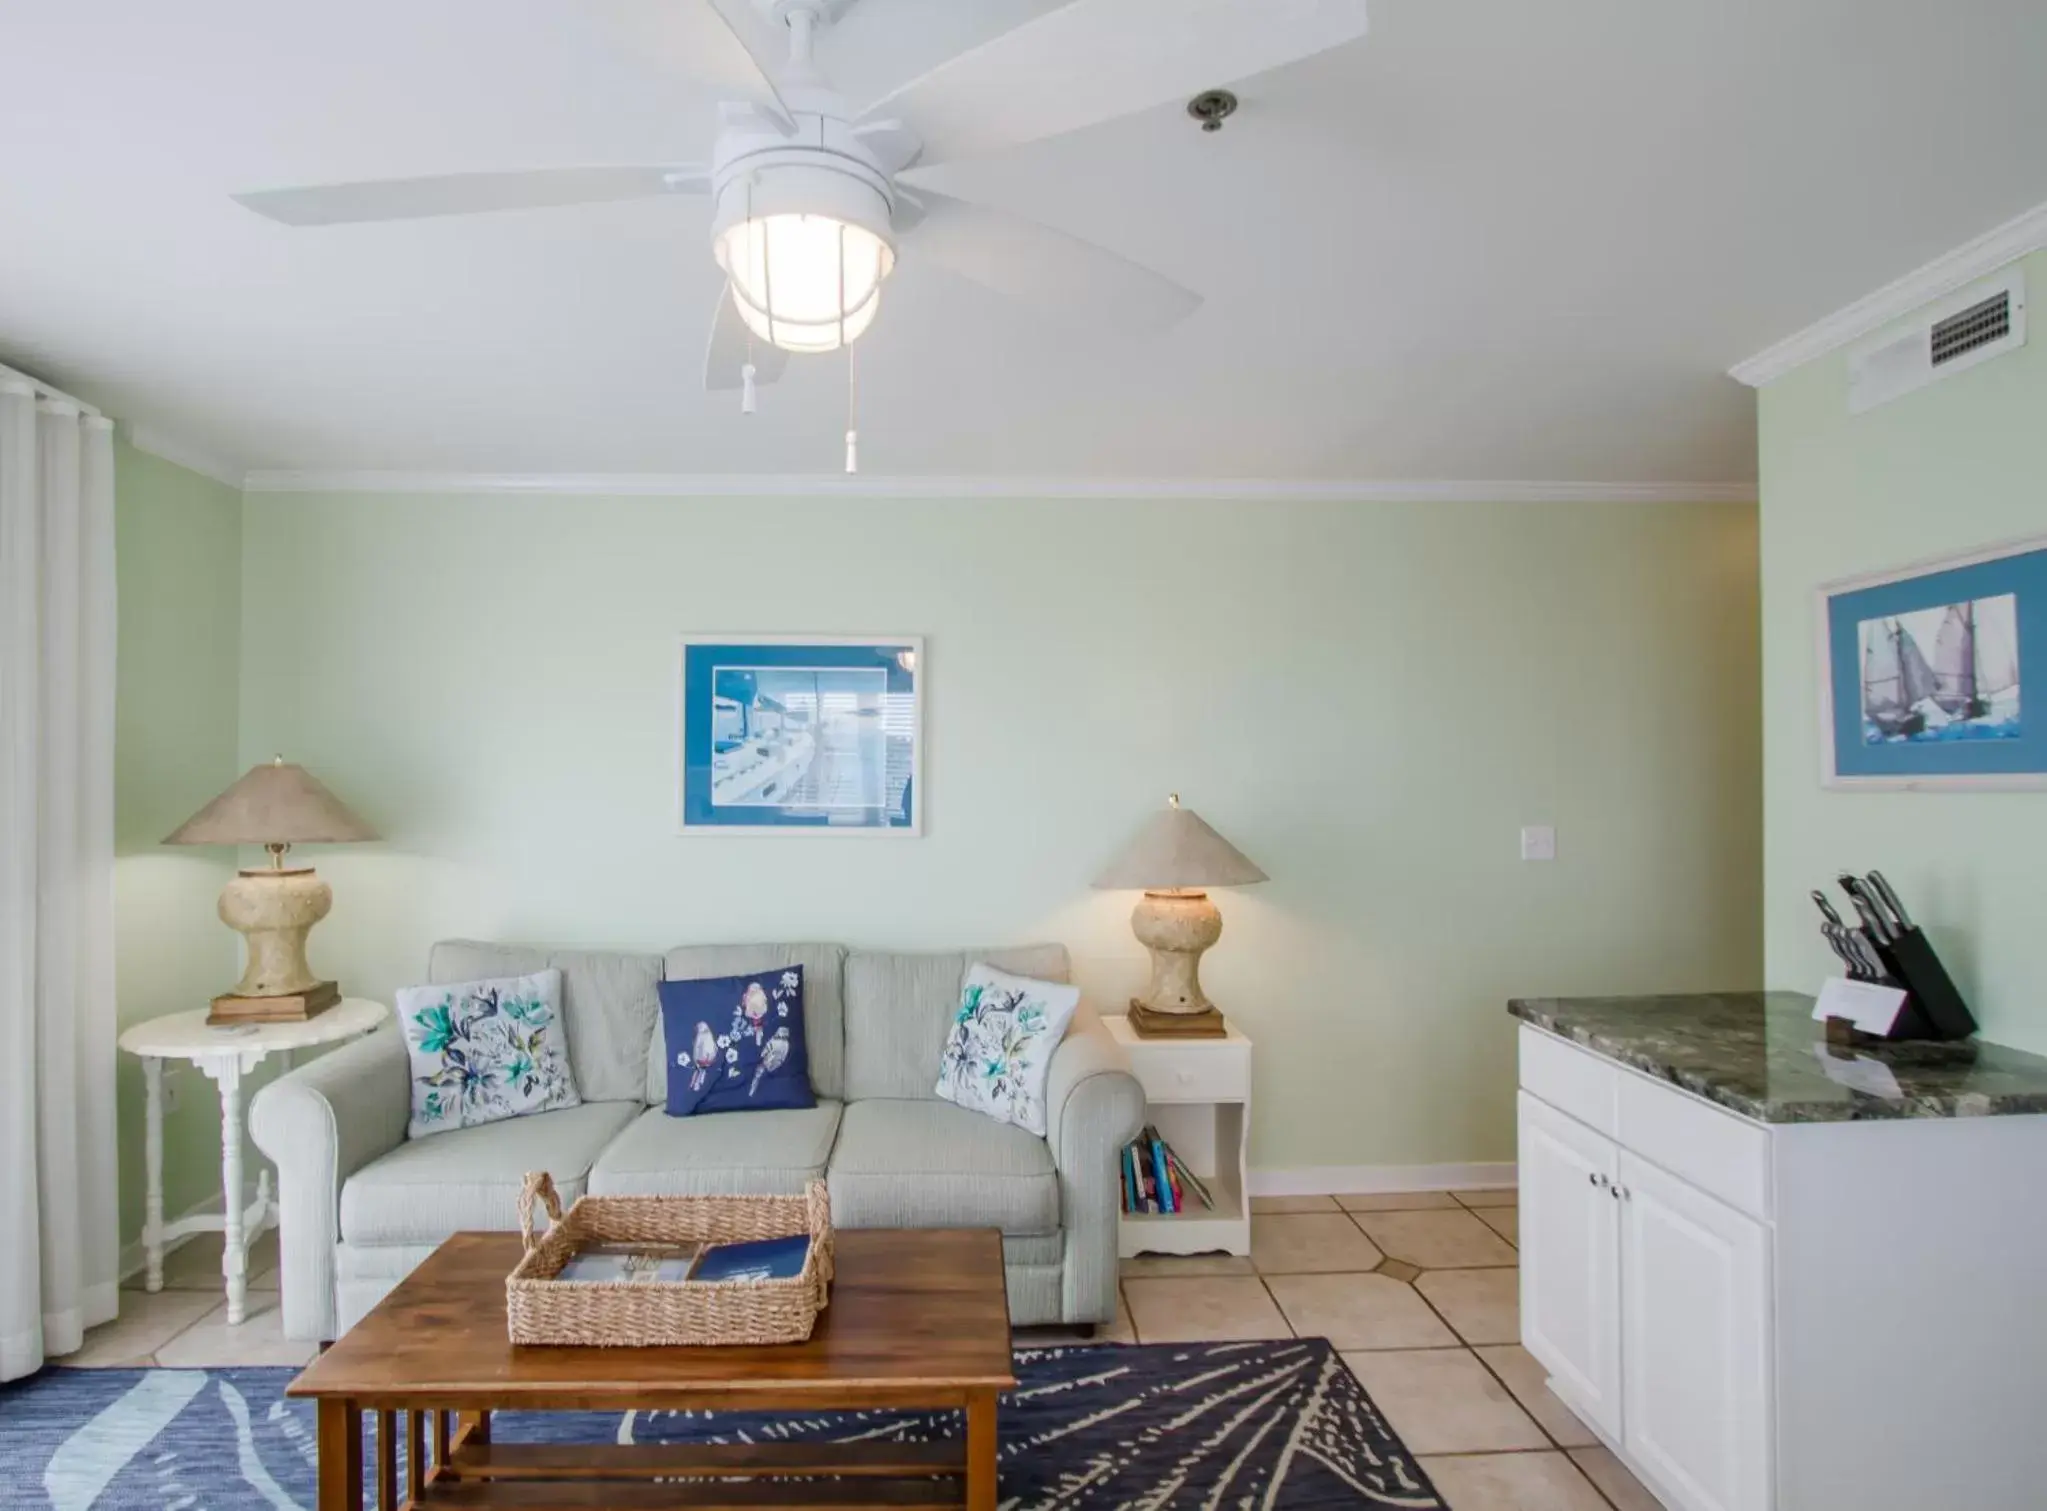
x,y
735,1043
485,1050
999,1053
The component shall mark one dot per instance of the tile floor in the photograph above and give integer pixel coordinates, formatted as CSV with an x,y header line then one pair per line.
x,y
1418,1292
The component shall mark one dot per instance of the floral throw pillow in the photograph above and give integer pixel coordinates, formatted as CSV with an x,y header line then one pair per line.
x,y
999,1052
485,1050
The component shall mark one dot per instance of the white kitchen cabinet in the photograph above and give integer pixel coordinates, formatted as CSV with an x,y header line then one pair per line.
x,y
1570,1258
1695,1340
1805,1315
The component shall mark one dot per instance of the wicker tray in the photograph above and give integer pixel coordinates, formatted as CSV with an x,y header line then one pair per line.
x,y
621,1314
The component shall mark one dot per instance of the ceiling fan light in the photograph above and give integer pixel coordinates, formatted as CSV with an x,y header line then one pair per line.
x,y
805,283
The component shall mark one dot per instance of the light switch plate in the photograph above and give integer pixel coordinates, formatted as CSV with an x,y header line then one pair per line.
x,y
1538,842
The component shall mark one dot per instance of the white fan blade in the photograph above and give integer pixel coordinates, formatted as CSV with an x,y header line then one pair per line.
x,y
471,193
728,352
726,44
1094,60
1087,286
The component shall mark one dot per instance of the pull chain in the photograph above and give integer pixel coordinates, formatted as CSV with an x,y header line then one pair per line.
x,y
852,413
749,396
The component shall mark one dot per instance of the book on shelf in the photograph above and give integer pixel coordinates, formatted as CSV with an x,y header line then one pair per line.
x,y
1156,1179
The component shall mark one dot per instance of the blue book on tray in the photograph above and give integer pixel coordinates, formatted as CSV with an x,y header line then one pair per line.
x,y
761,1259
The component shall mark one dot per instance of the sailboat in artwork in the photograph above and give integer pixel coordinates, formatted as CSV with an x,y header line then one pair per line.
x,y
1896,681
1972,667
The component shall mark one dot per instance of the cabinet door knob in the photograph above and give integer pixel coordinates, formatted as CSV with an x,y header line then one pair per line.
x,y
1596,1179
1620,1193
1183,1076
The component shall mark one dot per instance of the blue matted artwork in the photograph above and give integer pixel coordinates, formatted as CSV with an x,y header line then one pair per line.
x,y
1922,674
788,733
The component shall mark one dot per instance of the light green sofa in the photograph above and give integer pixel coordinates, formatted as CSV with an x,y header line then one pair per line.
x,y
361,1204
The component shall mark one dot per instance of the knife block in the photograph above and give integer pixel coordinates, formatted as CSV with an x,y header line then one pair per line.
x,y
1934,1009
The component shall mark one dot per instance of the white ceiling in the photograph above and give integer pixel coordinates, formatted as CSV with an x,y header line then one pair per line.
x,y
1493,240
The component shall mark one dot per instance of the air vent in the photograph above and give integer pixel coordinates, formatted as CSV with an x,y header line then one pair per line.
x,y
1973,325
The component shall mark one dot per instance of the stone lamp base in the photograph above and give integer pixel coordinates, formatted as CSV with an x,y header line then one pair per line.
x,y
1176,927
273,910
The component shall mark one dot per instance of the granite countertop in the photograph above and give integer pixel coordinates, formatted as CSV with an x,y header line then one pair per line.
x,y
1760,1054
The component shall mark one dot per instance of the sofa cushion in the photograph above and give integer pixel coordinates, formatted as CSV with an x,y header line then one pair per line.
x,y
427,1188
928,1164
824,1019
774,1153
899,1008
608,1005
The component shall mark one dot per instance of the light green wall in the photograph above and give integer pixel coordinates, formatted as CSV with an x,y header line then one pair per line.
x,y
1368,699
1959,464
178,545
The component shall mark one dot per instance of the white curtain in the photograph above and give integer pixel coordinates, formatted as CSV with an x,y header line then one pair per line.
x,y
59,1235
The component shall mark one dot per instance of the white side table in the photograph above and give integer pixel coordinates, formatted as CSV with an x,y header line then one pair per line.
x,y
226,1055
1199,1091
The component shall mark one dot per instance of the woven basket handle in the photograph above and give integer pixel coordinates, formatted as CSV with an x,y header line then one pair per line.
x,y
538,1183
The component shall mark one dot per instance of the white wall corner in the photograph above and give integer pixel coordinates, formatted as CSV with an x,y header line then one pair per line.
x,y
1365,1180
174,449
1946,273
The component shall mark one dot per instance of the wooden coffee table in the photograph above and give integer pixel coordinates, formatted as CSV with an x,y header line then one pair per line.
x,y
918,1319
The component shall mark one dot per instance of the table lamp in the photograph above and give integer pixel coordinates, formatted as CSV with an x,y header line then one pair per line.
x,y
1173,858
274,907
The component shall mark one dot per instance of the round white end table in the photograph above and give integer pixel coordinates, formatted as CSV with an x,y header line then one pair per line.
x,y
225,1055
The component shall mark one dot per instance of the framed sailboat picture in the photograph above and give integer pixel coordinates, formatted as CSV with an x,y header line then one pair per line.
x,y
800,734
1922,673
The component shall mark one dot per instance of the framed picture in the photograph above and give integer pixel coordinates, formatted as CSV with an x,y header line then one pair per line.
x,y
1920,674
785,734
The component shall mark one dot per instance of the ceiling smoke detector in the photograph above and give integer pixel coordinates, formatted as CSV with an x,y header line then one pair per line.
x,y
1212,107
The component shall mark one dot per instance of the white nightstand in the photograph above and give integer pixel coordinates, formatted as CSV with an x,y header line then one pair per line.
x,y
1200,1096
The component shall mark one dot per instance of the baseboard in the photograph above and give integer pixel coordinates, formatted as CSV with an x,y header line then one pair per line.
x,y
132,1257
1360,1180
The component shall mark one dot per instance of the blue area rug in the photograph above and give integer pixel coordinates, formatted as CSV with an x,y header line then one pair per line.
x,y
1277,1425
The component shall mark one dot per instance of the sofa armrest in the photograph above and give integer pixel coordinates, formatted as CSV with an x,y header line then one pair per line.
x,y
319,1125
1093,1107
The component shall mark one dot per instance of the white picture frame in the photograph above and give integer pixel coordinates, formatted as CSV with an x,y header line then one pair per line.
x,y
2025,556
756,752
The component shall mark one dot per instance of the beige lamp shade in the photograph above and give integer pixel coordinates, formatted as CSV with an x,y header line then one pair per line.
x,y
1174,849
274,804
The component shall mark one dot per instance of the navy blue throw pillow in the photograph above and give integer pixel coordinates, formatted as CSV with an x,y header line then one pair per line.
x,y
735,1043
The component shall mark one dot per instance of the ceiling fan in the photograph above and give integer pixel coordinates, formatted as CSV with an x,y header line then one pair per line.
x,y
814,195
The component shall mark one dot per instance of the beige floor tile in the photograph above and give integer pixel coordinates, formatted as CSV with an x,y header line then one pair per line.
x,y
1214,1309
1399,1269
1483,1305
1512,1482
1359,1311
146,1323
1395,1201
257,1339
1292,1204
1505,1221
1615,1480
1504,1196
1436,1240
195,1265
1525,1377
1119,1331
1442,1400
1310,1243
1183,1266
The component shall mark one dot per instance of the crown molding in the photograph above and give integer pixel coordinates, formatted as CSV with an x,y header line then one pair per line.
x,y
829,485
1942,276
173,449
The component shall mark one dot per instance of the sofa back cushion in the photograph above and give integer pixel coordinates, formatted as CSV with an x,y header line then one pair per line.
x,y
824,1018
900,1007
609,1005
